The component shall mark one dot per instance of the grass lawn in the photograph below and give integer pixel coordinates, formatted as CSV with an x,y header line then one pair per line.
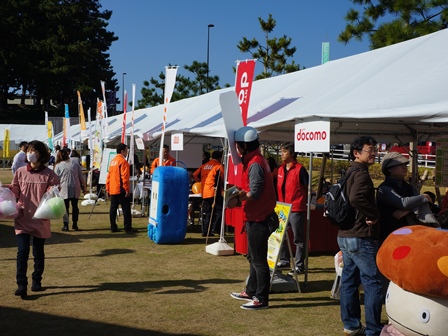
x,y
103,283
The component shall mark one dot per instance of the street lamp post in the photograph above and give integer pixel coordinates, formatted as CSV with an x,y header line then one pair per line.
x,y
122,104
208,50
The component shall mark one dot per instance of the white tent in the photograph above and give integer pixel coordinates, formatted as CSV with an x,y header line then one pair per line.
x,y
19,133
397,93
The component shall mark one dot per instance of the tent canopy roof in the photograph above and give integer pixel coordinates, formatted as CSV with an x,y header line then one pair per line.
x,y
19,133
396,93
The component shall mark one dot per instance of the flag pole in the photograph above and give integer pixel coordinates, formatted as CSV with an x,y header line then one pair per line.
x,y
170,82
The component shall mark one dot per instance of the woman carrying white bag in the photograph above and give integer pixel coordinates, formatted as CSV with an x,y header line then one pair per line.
x,y
29,185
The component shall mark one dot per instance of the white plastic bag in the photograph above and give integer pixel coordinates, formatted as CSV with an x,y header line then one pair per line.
x,y
8,204
51,205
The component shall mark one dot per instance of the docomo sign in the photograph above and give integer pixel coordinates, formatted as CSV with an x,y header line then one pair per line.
x,y
313,136
316,135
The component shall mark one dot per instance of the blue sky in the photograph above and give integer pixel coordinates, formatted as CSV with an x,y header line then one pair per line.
x,y
153,34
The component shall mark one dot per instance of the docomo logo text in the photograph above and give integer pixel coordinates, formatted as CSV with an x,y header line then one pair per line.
x,y
242,94
302,135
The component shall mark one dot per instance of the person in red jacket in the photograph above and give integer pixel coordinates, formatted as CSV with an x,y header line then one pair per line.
x,y
118,187
257,196
292,187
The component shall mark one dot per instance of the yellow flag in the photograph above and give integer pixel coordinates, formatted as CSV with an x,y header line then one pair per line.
x,y
49,129
6,144
82,119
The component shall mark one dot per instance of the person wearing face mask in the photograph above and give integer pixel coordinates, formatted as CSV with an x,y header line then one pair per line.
x,y
29,185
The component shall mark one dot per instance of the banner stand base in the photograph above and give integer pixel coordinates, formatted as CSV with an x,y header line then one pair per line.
x,y
88,202
219,248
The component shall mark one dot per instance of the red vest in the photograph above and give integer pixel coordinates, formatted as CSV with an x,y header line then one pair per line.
x,y
295,192
259,209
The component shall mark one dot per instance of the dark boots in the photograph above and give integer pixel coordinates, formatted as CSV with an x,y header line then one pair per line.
x,y
36,286
21,290
74,227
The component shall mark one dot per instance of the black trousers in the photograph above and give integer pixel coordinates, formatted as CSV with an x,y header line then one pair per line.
x,y
125,203
23,251
75,209
207,208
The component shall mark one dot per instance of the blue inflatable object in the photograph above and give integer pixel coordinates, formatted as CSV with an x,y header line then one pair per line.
x,y
168,210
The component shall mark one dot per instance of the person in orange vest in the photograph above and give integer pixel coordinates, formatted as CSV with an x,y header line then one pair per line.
x,y
118,187
167,159
292,187
205,157
212,198
200,174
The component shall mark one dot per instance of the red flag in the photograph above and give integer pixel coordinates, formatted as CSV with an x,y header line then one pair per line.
x,y
123,127
243,85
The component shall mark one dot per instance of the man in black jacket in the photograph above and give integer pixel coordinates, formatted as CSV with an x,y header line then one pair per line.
x,y
358,242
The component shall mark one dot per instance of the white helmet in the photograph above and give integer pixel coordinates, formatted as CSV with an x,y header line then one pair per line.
x,y
246,134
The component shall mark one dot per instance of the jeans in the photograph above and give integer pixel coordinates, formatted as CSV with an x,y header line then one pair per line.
x,y
125,203
359,257
23,251
296,222
258,284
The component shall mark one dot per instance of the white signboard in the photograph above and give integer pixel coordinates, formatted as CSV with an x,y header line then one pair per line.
x,y
312,136
139,143
177,141
153,203
231,114
108,155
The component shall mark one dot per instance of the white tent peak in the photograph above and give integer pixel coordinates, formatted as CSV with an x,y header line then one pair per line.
x,y
392,92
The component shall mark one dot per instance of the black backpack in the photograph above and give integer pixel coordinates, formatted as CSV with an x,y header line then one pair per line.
x,y
337,207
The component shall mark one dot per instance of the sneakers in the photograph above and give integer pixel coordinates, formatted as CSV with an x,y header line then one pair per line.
x,y
283,264
254,305
298,271
241,296
360,331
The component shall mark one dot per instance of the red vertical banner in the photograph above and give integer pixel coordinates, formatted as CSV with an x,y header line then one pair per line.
x,y
64,133
243,85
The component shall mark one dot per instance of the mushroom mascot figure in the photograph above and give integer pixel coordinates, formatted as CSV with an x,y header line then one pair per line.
x,y
415,260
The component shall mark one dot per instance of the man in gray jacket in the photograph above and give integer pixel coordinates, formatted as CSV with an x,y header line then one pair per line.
x,y
358,242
